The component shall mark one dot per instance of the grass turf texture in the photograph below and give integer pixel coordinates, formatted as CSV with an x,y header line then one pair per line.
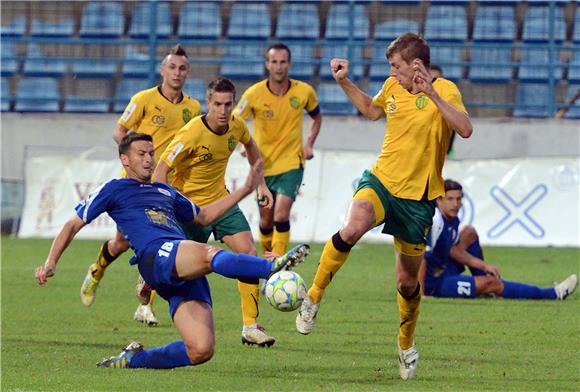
x,y
50,341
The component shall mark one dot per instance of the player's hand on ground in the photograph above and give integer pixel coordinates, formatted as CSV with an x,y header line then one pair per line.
x,y
44,272
308,152
264,197
339,69
422,78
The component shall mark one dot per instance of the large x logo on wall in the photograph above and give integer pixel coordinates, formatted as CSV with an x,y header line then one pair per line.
x,y
518,212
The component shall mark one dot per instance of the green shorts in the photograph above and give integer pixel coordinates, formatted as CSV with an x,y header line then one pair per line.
x,y
231,223
409,220
287,183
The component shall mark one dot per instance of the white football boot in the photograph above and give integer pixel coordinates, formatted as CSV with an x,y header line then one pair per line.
x,y
144,314
255,334
408,360
566,287
306,317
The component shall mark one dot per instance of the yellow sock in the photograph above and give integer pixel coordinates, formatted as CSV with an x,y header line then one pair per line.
x,y
265,241
408,313
330,262
280,241
104,259
152,296
249,295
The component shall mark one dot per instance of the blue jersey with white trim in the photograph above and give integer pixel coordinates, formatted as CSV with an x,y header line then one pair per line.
x,y
144,212
443,235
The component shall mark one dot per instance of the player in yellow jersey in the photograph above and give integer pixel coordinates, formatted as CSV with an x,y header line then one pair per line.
x,y
198,157
159,111
277,107
401,188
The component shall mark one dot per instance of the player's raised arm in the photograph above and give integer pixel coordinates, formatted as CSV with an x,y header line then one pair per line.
x,y
119,133
218,208
161,171
362,101
59,244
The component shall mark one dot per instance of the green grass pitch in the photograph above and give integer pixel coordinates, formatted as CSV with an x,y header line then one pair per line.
x,y
51,342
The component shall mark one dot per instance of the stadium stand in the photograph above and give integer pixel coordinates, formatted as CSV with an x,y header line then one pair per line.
x,y
199,20
141,21
449,58
95,68
102,19
37,64
537,24
379,67
490,65
494,24
8,55
6,96
252,66
333,100
302,61
196,88
332,50
388,30
534,66
37,95
574,67
126,88
45,28
250,20
15,28
446,23
574,111
576,32
532,100
298,22
338,25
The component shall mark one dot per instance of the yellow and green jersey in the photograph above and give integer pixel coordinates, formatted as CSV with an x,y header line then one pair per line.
x,y
277,123
416,141
199,156
151,113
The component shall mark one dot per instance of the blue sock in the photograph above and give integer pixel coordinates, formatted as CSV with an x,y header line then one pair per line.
x,y
170,356
476,251
236,266
525,291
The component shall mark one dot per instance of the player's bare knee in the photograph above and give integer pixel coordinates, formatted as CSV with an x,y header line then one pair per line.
x,y
199,352
211,251
407,287
117,247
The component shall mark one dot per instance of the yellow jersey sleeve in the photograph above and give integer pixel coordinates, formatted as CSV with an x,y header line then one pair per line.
x,y
312,99
133,114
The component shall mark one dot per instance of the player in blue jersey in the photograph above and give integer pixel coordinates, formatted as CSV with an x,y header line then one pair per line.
x,y
149,214
449,251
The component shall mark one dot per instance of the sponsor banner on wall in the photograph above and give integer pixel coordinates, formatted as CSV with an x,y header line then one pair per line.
x,y
530,202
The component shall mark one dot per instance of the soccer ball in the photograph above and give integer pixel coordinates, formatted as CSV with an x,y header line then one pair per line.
x,y
285,290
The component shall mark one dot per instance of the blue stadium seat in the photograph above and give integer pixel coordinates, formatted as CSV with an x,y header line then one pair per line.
x,y
196,88
141,20
45,28
532,100
574,111
6,97
250,21
126,88
537,25
574,69
576,33
338,22
533,66
16,28
95,68
375,87
37,64
495,24
332,50
446,23
76,104
298,21
9,66
243,62
199,20
333,100
302,63
449,59
37,95
102,19
490,65
391,29
136,64
380,68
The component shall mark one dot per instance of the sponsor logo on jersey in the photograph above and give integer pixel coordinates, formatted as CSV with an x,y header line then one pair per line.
x,y
205,154
128,112
421,101
241,106
391,105
186,114
294,102
176,150
232,143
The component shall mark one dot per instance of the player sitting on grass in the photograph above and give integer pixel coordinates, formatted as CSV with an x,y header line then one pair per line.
x,y
148,215
449,251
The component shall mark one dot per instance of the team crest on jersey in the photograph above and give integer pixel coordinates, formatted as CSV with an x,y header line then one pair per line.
x,y
158,217
158,120
421,101
186,114
232,143
294,102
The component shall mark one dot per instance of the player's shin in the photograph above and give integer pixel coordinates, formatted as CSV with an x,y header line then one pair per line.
x,y
249,296
170,356
265,238
281,237
236,266
408,313
104,259
333,257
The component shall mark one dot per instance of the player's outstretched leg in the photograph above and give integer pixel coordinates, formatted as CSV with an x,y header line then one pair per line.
x,y
123,360
291,259
565,288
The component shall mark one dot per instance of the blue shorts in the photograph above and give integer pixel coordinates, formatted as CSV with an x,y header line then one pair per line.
x,y
156,266
455,286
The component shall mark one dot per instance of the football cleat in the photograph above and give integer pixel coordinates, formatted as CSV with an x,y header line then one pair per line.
x,y
408,360
122,360
566,287
89,287
306,317
256,335
143,291
292,258
144,314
